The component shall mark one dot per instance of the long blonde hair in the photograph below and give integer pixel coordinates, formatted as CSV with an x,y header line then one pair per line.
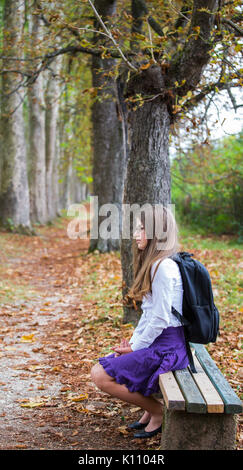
x,y
159,247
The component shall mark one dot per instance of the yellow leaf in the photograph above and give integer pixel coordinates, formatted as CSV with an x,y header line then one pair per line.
x,y
82,410
81,397
28,338
33,368
32,404
145,66
214,273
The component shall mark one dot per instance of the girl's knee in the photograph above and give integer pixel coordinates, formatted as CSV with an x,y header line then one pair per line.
x,y
98,374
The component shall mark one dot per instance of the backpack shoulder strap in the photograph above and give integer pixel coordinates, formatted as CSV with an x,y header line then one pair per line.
x,y
156,269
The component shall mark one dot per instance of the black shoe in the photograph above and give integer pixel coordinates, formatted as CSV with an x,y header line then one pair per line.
x,y
145,434
137,425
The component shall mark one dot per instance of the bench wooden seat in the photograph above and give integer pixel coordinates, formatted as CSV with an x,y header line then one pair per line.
x,y
200,407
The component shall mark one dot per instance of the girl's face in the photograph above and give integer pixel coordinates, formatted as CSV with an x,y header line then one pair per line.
x,y
140,236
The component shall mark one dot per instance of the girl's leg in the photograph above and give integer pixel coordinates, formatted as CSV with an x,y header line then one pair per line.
x,y
107,384
145,418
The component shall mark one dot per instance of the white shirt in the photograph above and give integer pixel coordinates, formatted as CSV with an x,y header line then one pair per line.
x,y
167,290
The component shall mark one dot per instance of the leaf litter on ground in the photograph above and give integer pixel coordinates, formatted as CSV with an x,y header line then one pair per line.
x,y
72,317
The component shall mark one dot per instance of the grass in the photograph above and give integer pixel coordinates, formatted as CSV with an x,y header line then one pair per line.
x,y
10,293
195,238
222,256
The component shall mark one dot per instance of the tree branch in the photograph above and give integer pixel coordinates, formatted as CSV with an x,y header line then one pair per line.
x,y
189,104
183,17
112,38
187,66
140,9
232,98
233,25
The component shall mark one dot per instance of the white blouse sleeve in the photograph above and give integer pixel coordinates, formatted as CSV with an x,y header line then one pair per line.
x,y
158,317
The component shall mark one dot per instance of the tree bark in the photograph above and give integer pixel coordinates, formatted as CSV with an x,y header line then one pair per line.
x,y
14,193
52,108
37,156
108,149
148,168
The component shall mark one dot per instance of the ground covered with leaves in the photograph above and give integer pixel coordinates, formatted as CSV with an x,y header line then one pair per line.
x,y
60,310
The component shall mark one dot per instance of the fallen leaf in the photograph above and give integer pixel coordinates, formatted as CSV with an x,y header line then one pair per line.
x,y
41,387
80,409
123,430
81,397
28,338
133,410
32,404
64,389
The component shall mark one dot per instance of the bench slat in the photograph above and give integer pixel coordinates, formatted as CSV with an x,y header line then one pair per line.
x,y
232,402
194,400
214,403
171,392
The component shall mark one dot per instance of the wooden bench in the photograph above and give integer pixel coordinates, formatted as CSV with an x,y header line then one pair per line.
x,y
200,409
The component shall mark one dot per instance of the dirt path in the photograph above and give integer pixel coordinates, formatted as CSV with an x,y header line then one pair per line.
x,y
47,400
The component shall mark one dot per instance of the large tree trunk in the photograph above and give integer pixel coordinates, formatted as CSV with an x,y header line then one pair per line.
x,y
148,172
148,168
108,150
52,109
37,156
14,193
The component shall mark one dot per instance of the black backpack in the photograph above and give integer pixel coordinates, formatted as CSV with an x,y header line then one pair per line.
x,y
200,316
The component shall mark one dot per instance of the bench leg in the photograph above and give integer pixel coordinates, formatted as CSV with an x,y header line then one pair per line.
x,y
192,431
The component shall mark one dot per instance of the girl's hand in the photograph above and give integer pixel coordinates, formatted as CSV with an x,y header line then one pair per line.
x,y
124,348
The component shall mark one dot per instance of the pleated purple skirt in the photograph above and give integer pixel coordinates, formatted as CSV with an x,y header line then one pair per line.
x,y
140,370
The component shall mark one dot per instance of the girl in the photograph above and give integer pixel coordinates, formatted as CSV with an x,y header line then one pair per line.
x,y
157,344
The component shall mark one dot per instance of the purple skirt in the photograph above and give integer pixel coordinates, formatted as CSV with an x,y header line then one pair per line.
x,y
140,370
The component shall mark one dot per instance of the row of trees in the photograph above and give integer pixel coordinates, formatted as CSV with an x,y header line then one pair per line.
x,y
40,170
150,62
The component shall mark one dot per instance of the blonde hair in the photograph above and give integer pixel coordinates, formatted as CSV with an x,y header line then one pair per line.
x,y
159,247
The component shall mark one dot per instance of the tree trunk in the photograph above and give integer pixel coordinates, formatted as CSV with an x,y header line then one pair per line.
x,y
109,156
56,172
52,108
148,173
14,193
66,186
148,168
37,174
